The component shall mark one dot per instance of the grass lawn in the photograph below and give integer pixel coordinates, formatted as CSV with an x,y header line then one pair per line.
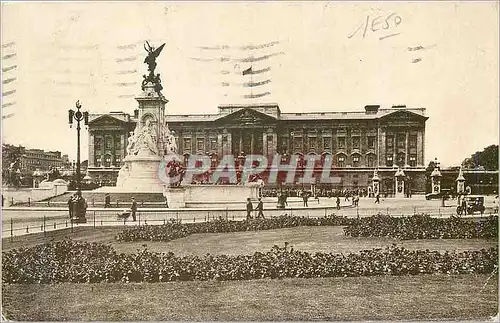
x,y
311,239
354,298
426,297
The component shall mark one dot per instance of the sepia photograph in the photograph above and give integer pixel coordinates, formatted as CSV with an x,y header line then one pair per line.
x,y
250,161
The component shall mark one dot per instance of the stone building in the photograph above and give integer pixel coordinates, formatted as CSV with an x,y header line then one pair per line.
x,y
108,134
358,142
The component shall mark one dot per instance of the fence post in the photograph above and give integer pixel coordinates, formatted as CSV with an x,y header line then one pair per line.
x,y
94,220
44,219
11,229
27,229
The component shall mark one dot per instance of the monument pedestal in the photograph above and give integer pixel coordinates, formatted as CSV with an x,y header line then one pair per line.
x,y
140,174
178,196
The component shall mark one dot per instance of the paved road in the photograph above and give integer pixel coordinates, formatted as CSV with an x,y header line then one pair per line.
x,y
19,221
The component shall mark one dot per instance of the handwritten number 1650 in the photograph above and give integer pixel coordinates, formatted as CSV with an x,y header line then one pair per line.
x,y
378,23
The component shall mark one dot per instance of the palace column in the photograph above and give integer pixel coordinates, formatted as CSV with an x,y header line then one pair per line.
x,y
220,149
264,144
91,149
252,142
406,149
241,141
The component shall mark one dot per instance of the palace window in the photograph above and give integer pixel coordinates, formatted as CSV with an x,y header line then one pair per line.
x,y
97,143
326,143
412,141
108,141
213,143
389,161
371,142
187,144
200,144
413,161
370,160
401,159
118,142
312,142
297,143
355,142
401,138
341,161
107,161
97,161
341,142
389,141
355,160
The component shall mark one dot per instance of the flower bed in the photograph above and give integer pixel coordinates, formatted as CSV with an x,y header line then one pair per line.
x,y
83,262
404,228
172,231
423,227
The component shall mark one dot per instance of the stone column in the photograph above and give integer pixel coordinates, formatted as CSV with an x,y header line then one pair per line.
x,y
252,142
241,142
406,150
265,148
381,158
91,149
220,149
420,148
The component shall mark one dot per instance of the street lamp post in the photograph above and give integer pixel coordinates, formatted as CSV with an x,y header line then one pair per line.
x,y
78,116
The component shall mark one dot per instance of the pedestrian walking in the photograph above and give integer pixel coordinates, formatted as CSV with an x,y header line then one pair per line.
x,y
338,202
377,198
70,205
260,209
305,197
249,209
133,208
107,200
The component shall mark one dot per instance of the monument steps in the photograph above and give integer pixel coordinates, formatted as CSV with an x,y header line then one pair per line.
x,y
98,197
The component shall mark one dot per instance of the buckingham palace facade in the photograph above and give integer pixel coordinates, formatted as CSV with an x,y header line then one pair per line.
x,y
359,142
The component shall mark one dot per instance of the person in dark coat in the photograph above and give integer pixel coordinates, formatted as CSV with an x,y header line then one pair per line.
x,y
338,202
107,200
70,205
260,208
377,198
133,208
249,209
305,197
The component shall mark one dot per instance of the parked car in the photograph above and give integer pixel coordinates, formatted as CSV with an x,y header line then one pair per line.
x,y
469,204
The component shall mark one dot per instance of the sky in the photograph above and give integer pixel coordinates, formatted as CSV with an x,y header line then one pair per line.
x,y
325,56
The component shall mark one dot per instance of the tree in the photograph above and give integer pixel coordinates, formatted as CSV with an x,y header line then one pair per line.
x,y
486,159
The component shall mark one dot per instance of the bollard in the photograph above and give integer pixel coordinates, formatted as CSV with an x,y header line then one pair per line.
x,y
27,229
